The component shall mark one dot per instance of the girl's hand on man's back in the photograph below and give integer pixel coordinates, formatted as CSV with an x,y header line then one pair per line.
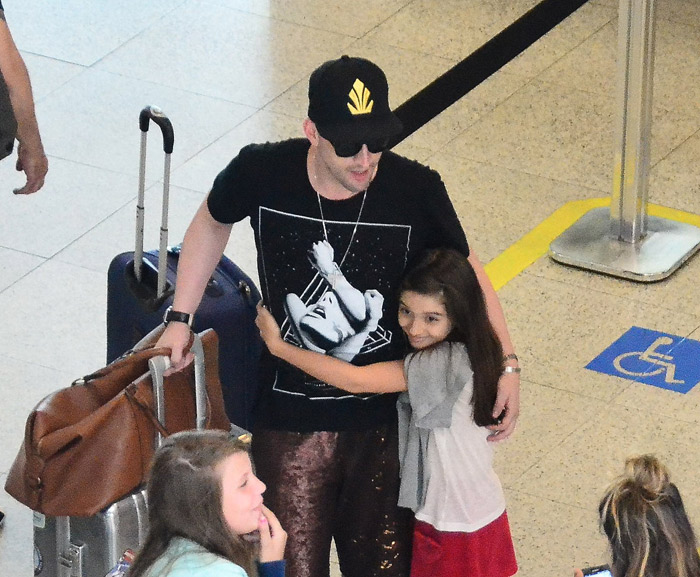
x,y
269,329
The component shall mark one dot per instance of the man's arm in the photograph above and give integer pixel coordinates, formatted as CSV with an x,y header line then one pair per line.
x,y
387,377
508,396
202,248
30,152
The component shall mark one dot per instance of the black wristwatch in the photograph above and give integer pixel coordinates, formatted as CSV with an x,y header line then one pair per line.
x,y
171,315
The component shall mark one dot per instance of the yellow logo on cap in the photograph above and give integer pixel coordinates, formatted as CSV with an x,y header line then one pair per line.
x,y
360,99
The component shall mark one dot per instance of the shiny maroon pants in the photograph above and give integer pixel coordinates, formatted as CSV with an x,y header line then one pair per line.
x,y
341,486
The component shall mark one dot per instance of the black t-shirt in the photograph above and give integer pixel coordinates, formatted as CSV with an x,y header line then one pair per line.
x,y
373,237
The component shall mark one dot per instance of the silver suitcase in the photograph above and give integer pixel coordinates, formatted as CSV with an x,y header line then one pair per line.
x,y
95,546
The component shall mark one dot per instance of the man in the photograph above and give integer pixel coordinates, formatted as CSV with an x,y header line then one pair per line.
x,y
30,152
330,459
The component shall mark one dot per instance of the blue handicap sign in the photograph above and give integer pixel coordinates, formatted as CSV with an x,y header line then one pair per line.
x,y
658,359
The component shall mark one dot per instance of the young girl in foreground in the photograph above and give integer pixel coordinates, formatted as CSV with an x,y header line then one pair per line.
x,y
206,514
451,380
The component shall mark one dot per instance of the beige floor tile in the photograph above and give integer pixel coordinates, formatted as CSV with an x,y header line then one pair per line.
x,y
106,133
48,74
560,133
578,471
466,111
485,195
559,328
428,27
553,131
116,234
63,30
675,181
61,318
14,265
334,16
594,66
257,58
552,538
15,537
677,66
678,293
75,198
547,417
562,40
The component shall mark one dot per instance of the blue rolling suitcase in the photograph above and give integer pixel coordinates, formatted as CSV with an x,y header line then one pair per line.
x,y
140,286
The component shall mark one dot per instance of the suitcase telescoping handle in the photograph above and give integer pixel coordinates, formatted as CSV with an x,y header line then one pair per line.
x,y
158,365
156,114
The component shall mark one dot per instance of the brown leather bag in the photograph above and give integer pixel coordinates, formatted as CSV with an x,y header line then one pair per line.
x,y
88,445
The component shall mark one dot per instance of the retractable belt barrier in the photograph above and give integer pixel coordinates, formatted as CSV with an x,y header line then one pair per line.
x,y
482,63
622,240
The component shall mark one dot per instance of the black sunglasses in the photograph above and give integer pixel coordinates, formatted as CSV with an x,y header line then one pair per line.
x,y
348,149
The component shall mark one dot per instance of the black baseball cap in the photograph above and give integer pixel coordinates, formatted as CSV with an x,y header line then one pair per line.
x,y
349,102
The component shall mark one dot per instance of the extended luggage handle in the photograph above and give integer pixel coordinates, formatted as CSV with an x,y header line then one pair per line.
x,y
156,114
158,365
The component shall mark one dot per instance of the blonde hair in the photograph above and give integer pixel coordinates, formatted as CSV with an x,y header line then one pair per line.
x,y
642,515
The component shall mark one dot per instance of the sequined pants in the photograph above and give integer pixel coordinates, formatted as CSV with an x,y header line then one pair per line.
x,y
340,485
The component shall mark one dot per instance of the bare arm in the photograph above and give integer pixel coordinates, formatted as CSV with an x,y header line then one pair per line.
x,y
202,248
30,154
387,377
508,397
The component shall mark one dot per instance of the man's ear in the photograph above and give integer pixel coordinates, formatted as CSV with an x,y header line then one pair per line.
x,y
311,131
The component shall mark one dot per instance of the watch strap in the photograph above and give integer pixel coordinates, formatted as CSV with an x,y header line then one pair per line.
x,y
177,316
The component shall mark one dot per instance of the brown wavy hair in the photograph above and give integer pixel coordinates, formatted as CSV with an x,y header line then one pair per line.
x,y
185,500
447,274
643,517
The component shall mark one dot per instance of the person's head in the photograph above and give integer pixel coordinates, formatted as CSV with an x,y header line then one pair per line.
x,y
325,323
440,298
643,517
350,122
202,487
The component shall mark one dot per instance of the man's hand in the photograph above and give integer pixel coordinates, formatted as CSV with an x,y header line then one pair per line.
x,y
508,400
176,337
273,538
35,165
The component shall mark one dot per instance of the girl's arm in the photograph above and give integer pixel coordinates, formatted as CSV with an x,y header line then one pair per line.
x,y
387,377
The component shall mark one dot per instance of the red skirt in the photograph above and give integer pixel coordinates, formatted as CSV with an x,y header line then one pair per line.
x,y
487,552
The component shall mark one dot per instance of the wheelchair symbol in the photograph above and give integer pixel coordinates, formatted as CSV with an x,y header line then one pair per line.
x,y
664,362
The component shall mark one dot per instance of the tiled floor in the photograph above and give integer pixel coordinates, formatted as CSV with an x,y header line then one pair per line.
x,y
531,138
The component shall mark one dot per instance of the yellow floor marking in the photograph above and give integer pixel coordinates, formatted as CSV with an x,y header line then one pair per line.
x,y
535,244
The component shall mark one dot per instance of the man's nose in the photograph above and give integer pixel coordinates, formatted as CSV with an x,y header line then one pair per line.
x,y
364,156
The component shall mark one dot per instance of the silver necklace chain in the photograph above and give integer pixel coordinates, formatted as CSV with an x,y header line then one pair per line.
x,y
354,230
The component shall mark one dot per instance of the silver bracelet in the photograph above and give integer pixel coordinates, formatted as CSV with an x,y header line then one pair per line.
x,y
510,357
511,370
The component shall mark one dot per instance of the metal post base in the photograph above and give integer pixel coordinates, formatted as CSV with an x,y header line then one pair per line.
x,y
587,244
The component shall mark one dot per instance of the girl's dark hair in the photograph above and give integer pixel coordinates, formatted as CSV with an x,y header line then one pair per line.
x,y
448,275
643,517
185,500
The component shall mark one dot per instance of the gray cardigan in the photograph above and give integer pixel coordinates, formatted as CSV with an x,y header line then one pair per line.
x,y
435,377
